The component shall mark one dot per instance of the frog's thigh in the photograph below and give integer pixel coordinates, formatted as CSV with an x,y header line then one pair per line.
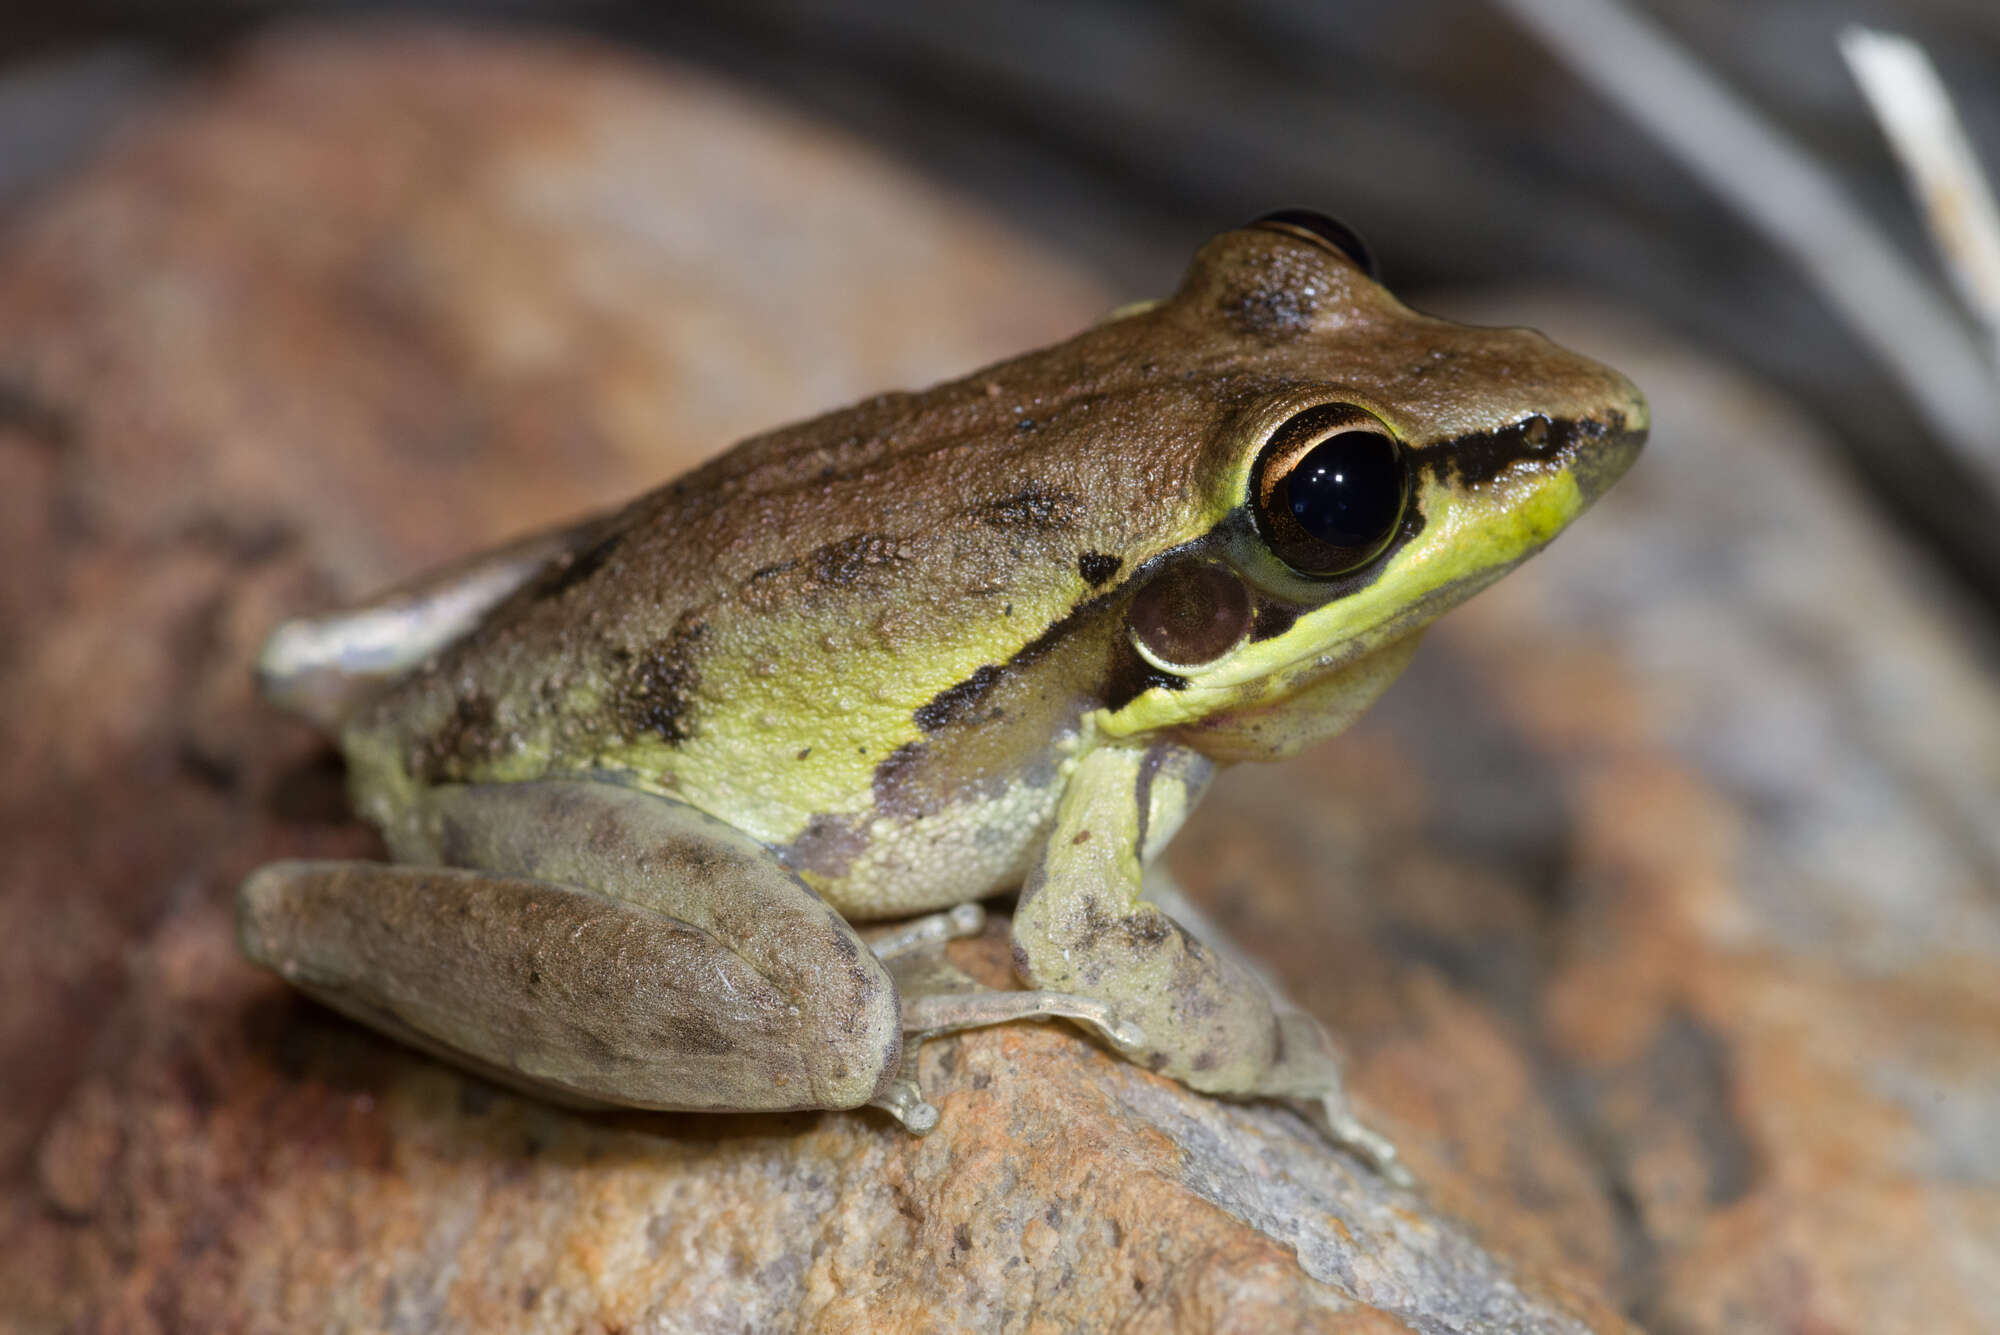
x,y
612,947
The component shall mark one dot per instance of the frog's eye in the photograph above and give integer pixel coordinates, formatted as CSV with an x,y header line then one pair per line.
x,y
1323,230
1329,489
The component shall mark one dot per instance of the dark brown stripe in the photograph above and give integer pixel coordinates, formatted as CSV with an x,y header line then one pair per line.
x,y
657,692
1484,455
958,701
846,562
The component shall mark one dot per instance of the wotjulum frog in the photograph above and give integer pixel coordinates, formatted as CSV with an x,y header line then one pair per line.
x,y
642,775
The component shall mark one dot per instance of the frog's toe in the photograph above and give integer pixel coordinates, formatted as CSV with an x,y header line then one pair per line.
x,y
1337,1122
929,931
903,1100
949,1012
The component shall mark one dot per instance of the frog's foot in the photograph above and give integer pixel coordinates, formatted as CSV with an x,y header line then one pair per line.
x,y
1335,1120
1308,1076
903,1099
937,998
1088,921
947,1013
1311,1066
926,1016
933,930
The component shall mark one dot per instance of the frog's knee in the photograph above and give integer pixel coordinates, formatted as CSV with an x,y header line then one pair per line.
x,y
260,909
853,1041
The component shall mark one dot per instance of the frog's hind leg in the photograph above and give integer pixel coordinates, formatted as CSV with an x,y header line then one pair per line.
x,y
594,944
937,998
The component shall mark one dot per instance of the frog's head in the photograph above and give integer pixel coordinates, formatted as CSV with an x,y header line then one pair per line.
x,y
1374,469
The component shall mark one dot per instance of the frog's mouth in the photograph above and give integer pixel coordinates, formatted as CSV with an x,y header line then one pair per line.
x,y
1294,710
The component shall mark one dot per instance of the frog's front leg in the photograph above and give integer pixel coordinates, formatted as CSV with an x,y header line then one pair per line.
x,y
1085,925
595,944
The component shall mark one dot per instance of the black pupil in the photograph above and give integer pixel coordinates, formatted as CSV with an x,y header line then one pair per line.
x,y
1348,490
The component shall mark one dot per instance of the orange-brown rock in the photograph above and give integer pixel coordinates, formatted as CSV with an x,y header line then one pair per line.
x,y
1659,908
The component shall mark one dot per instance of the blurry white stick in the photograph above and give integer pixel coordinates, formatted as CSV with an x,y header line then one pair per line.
x,y
1923,128
1910,326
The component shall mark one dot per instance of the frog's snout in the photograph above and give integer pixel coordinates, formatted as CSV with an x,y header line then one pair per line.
x,y
1623,425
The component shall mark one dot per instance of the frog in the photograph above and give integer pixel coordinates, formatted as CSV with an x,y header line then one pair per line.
x,y
646,779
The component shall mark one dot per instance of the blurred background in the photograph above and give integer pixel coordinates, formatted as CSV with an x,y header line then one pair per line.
x,y
1467,152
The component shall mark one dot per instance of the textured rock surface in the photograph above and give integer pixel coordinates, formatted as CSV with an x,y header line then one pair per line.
x,y
1659,907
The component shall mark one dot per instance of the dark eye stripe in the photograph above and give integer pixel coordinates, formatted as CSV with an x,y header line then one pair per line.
x,y
1482,456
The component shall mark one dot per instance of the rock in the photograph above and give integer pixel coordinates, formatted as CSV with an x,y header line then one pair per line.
x,y
1656,907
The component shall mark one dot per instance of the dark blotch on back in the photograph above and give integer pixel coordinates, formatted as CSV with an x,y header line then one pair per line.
x,y
470,735
846,562
1097,567
1275,299
657,692
1031,508
958,701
